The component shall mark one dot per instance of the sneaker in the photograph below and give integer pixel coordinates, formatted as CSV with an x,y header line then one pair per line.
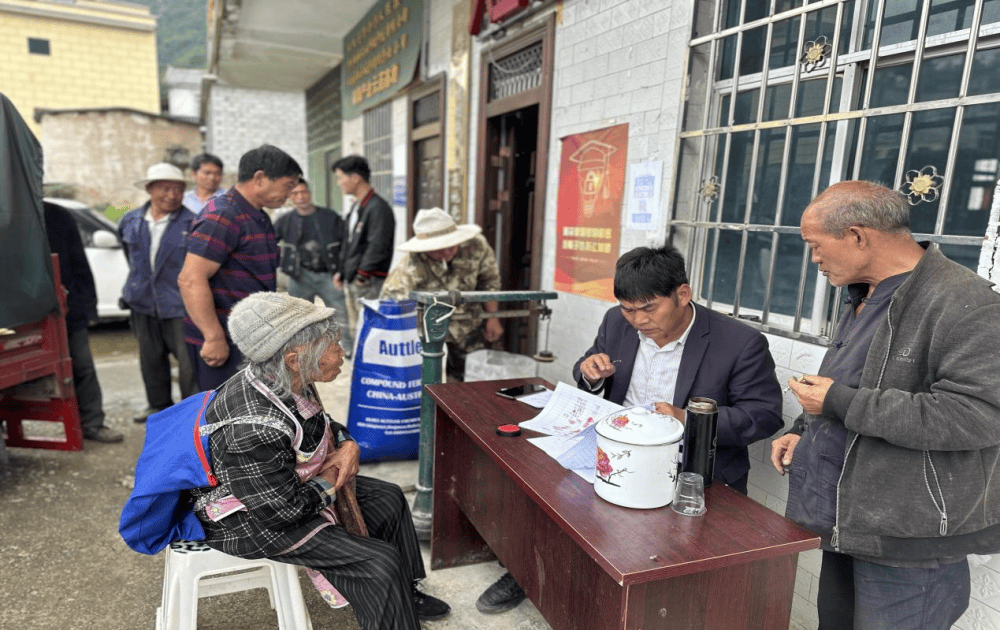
x,y
502,596
103,434
429,607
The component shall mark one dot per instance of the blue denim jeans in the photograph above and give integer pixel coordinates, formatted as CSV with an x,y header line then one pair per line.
x,y
311,284
894,598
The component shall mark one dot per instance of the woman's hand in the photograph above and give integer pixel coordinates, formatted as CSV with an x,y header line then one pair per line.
x,y
345,462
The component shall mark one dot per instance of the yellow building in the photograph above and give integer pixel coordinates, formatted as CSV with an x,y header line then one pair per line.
x,y
61,54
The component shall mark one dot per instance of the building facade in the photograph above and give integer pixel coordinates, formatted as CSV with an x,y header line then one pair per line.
x,y
78,54
741,111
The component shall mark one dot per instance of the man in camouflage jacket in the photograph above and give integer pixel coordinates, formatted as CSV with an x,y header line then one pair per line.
x,y
443,256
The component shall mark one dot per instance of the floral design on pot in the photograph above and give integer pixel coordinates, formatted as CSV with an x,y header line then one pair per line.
x,y
604,469
622,421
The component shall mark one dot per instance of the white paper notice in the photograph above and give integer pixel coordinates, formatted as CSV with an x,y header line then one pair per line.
x,y
644,195
569,411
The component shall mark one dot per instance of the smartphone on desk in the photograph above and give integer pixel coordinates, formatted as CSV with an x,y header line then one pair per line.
x,y
519,391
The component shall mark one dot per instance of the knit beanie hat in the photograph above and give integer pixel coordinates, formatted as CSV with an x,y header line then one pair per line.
x,y
261,323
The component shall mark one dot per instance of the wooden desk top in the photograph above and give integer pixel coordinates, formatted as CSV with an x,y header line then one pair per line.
x,y
632,546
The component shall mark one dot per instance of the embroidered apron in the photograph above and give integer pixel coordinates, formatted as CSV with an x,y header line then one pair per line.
x,y
307,466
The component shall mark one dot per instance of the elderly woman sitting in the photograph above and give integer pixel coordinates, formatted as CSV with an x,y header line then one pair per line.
x,y
281,460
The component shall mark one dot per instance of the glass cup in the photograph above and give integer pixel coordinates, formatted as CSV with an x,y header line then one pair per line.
x,y
689,498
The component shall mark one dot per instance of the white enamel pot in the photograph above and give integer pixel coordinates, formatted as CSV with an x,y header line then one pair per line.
x,y
638,455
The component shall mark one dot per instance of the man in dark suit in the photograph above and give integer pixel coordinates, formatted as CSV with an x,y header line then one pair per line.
x,y
658,347
369,236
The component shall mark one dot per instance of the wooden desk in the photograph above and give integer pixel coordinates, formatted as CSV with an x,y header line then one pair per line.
x,y
585,563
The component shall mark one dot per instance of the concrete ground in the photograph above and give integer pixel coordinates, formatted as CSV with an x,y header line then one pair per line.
x,y
63,564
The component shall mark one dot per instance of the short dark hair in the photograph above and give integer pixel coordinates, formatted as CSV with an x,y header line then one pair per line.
x,y
353,164
645,273
302,181
273,161
202,158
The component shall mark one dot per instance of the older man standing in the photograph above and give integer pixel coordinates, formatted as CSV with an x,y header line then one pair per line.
x,y
153,237
443,256
232,253
898,460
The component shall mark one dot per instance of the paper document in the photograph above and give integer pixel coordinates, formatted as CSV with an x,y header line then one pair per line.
x,y
569,411
538,400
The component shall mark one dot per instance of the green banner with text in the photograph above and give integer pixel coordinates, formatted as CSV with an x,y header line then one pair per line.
x,y
380,54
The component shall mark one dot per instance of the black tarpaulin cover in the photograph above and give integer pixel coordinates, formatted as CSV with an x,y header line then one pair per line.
x,y
26,289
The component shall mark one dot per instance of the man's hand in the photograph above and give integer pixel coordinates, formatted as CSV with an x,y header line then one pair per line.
x,y
782,451
597,366
667,409
344,459
810,391
215,352
338,281
494,329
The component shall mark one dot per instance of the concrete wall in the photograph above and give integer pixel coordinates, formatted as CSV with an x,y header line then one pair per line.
x,y
102,54
240,119
102,153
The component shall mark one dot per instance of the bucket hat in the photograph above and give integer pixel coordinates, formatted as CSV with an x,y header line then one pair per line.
x,y
162,172
434,229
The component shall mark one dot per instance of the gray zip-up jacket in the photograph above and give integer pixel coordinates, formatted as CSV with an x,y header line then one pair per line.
x,y
921,476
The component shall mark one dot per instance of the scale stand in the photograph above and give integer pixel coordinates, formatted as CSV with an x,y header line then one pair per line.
x,y
434,311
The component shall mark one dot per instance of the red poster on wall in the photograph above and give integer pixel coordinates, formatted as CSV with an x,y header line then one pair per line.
x,y
588,222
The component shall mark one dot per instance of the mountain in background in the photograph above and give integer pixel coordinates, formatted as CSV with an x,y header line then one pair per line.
x,y
180,32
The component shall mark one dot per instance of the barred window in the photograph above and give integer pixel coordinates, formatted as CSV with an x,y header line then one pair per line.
x,y
786,97
378,147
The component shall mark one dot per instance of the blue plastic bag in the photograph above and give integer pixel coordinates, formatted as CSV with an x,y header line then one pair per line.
x,y
384,413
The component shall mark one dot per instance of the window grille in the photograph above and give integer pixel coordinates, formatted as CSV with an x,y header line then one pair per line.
x,y
782,102
378,147
516,73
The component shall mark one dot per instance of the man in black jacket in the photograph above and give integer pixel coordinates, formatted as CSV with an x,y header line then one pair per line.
x,y
310,238
369,234
81,303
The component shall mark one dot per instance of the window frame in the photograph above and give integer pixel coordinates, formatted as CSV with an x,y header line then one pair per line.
x,y
703,228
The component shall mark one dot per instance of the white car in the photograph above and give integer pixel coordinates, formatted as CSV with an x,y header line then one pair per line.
x,y
104,254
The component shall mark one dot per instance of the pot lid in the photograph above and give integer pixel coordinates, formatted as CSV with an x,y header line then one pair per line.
x,y
640,426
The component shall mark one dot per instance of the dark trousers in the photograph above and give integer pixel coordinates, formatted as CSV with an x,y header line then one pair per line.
x,y
835,598
158,339
88,389
859,594
375,574
207,377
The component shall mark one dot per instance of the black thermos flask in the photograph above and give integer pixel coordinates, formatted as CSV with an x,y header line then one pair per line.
x,y
701,430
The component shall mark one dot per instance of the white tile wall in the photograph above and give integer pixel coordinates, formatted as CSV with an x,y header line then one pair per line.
x,y
241,119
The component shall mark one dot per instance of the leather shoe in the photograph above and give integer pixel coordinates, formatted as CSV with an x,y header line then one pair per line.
x,y
103,434
429,607
503,595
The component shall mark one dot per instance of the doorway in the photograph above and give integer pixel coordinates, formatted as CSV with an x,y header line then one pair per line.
x,y
515,102
509,222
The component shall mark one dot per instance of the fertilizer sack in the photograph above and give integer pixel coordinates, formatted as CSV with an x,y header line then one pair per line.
x,y
384,413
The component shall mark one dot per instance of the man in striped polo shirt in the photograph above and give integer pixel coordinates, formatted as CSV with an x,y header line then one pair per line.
x,y
232,253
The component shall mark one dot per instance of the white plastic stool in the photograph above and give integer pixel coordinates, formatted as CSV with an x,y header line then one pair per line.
x,y
193,570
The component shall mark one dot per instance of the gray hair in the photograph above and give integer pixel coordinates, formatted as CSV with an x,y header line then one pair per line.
x,y
309,343
865,204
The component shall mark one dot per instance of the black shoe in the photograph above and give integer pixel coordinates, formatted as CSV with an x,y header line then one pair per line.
x,y
502,596
429,607
103,434
148,411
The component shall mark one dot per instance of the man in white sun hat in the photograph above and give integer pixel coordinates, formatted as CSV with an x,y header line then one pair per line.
x,y
154,237
443,256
